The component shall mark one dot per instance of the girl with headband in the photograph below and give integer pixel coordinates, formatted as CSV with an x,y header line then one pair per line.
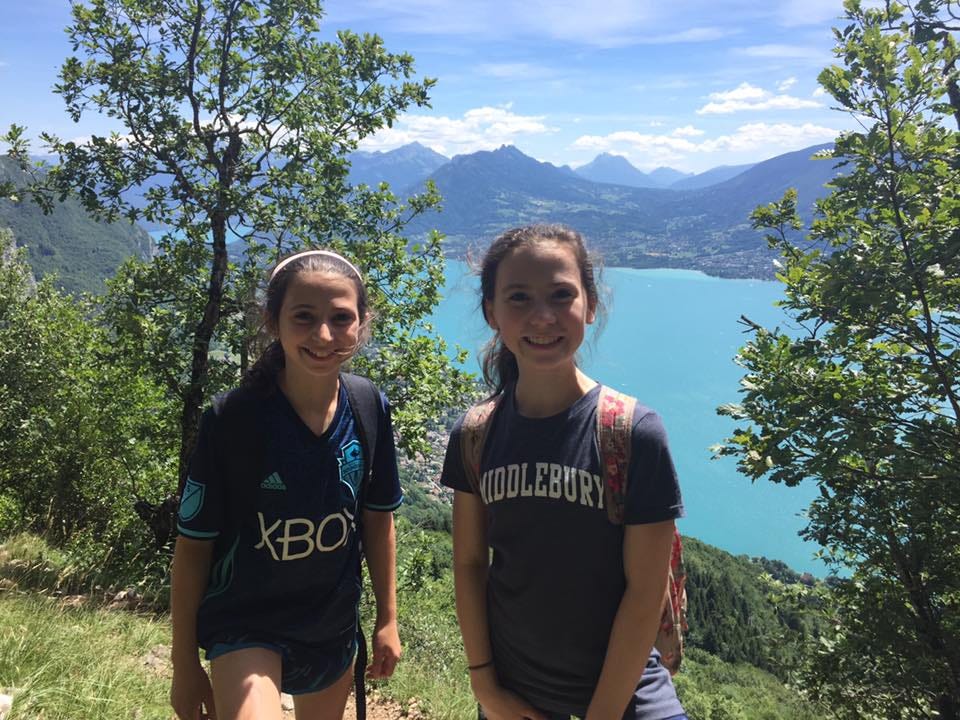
x,y
283,489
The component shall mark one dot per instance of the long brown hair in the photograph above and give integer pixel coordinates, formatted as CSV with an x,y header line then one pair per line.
x,y
499,364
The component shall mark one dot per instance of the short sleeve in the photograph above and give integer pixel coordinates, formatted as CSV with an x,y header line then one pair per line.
x,y
452,475
653,490
201,504
384,492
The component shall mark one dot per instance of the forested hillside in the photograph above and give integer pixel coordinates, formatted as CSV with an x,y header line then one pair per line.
x,y
81,251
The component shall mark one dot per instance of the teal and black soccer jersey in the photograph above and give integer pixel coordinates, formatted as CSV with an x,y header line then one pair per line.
x,y
286,562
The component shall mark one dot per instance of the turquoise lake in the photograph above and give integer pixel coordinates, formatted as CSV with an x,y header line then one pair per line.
x,y
670,339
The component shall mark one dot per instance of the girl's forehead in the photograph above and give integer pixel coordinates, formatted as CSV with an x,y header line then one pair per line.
x,y
314,287
542,258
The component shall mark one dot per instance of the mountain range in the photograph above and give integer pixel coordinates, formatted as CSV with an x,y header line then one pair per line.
x,y
694,223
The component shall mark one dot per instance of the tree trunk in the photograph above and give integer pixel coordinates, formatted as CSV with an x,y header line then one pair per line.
x,y
193,397
161,518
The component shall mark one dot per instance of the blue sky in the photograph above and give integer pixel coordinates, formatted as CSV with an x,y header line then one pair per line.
x,y
690,84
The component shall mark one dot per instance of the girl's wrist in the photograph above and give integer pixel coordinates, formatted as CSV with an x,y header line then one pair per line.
x,y
185,658
484,679
480,666
385,620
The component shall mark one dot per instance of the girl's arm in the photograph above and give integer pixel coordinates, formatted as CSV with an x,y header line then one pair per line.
x,y
380,547
189,576
471,561
646,562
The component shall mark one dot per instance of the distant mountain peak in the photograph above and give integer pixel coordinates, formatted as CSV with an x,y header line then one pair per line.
x,y
509,150
614,170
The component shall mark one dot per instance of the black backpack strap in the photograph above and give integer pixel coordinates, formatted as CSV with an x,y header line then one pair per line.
x,y
241,446
359,675
367,409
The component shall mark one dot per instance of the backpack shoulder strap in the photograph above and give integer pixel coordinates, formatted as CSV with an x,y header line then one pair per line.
x,y
614,439
367,408
238,422
473,436
238,434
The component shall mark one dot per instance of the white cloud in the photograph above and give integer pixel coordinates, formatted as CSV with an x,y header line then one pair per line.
x,y
786,84
819,92
482,128
687,131
744,92
781,136
749,97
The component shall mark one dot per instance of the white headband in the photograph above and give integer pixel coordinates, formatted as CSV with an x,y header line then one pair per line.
x,y
328,253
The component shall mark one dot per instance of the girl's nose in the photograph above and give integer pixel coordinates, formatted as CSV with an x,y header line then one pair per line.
x,y
544,314
323,332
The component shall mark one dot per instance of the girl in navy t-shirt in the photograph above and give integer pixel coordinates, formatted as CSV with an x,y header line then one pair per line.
x,y
562,621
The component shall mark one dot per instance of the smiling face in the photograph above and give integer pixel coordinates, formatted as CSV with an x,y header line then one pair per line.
x,y
540,307
318,325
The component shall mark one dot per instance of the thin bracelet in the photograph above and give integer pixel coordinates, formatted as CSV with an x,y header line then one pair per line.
x,y
488,663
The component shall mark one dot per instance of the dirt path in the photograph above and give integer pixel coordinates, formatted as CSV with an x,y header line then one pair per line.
x,y
377,709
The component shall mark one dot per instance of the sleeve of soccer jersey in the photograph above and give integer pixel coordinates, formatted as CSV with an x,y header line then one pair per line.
x,y
201,507
384,491
653,491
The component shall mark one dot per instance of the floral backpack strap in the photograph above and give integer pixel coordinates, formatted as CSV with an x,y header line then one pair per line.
x,y
614,438
673,621
473,436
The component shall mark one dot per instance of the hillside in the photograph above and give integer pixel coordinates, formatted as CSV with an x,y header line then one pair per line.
x,y
81,251
705,229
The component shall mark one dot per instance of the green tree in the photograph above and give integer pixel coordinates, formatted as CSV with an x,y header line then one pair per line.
x,y
236,123
862,394
80,438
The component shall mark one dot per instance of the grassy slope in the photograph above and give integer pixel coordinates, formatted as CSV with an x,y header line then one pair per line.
x,y
89,664
79,664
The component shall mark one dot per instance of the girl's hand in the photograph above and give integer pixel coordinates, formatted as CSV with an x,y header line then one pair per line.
x,y
386,651
501,704
191,694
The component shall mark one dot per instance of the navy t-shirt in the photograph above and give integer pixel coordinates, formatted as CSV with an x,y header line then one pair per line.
x,y
556,578
289,568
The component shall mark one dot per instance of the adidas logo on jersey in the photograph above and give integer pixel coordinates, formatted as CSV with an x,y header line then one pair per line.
x,y
273,482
